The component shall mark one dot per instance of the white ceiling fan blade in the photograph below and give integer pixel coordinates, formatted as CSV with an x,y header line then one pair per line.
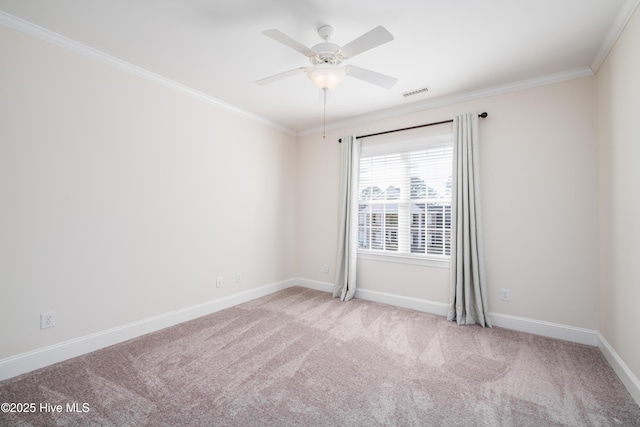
x,y
281,76
373,38
281,37
372,77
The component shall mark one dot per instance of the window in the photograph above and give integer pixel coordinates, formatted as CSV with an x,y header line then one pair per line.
x,y
404,205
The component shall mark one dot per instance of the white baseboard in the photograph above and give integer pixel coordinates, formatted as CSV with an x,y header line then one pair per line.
x,y
36,359
537,327
546,329
627,377
383,297
402,301
314,284
26,362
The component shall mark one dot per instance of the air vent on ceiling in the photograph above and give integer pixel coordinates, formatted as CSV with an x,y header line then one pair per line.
x,y
415,92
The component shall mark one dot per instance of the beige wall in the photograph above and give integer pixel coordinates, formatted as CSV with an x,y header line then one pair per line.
x,y
120,198
539,183
619,138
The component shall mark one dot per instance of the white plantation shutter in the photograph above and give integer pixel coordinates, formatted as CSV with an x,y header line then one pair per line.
x,y
405,198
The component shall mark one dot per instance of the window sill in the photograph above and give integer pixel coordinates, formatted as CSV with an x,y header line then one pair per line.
x,y
438,262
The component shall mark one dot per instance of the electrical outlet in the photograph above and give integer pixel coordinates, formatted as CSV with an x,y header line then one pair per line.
x,y
326,268
504,295
219,282
47,320
238,277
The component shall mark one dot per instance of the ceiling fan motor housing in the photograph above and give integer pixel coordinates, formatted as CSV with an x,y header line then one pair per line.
x,y
326,53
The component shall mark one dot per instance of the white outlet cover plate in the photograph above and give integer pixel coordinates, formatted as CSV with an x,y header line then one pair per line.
x,y
47,320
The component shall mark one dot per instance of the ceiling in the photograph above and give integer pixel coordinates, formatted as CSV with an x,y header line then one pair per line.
x,y
215,47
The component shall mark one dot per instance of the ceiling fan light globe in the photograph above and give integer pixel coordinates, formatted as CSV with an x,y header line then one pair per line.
x,y
326,76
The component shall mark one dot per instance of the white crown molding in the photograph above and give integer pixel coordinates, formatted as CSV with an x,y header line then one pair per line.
x,y
619,24
613,34
59,40
66,43
457,98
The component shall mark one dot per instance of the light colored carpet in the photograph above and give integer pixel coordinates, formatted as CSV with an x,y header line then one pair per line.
x,y
299,357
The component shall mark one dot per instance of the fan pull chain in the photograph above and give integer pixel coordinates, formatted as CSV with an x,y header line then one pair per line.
x,y
324,117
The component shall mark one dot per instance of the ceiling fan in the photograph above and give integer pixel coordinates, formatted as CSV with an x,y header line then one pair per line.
x,y
326,71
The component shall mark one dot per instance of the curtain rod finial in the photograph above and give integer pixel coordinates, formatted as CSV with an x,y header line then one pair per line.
x,y
483,115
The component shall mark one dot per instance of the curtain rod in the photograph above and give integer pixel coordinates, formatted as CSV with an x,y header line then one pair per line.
x,y
483,115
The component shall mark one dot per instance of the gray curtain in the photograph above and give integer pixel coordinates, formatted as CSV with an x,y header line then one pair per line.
x,y
468,295
345,286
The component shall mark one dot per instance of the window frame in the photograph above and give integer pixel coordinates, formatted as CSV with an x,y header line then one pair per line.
x,y
399,146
